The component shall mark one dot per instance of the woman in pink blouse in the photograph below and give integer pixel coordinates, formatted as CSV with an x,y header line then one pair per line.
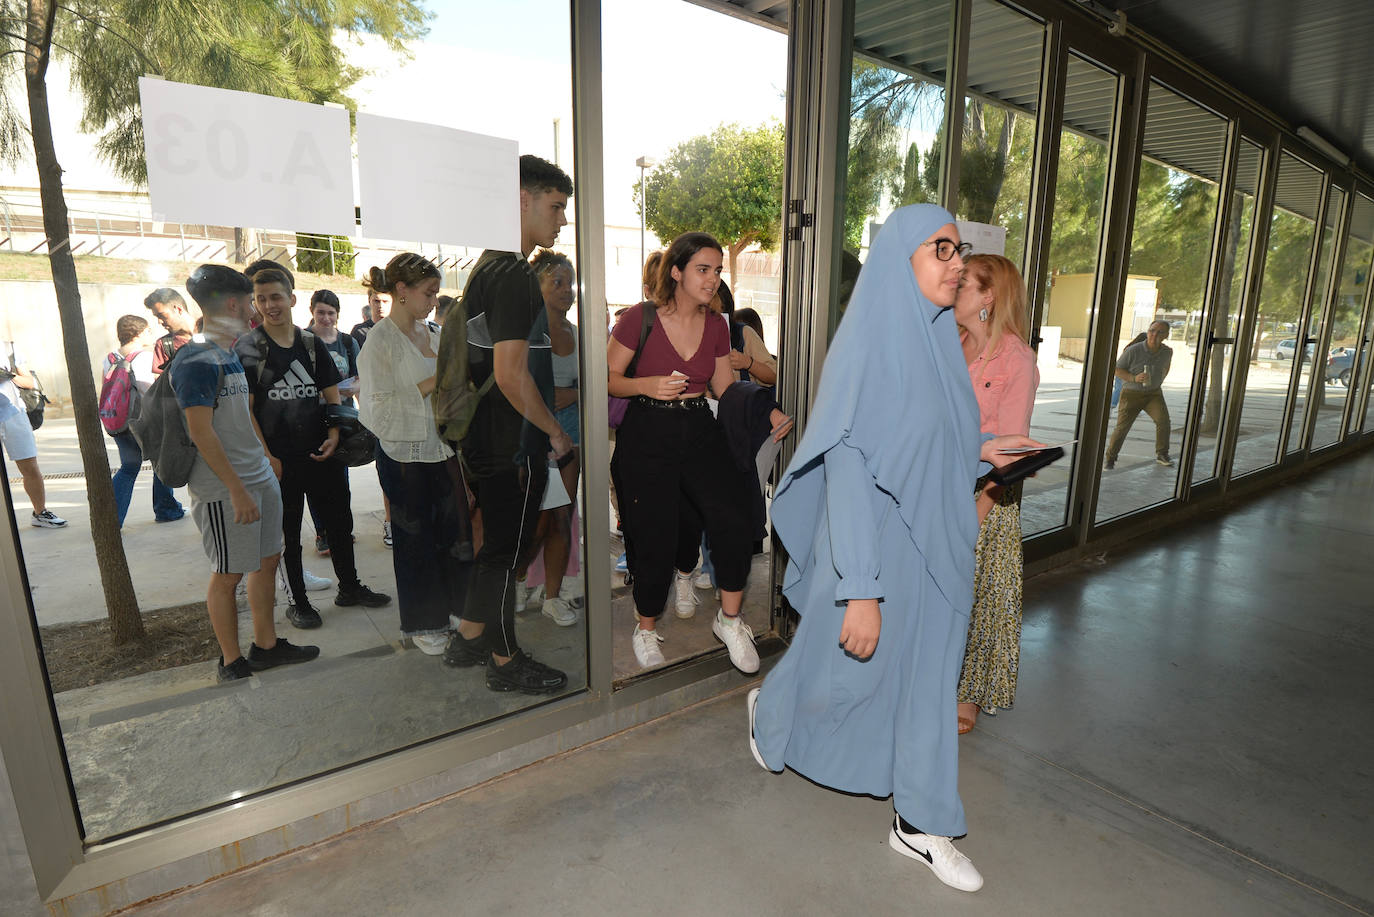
x,y
991,313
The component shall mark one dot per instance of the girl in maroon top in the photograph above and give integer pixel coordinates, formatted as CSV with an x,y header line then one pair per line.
x,y
671,456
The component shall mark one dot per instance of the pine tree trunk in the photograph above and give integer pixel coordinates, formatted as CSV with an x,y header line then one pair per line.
x,y
121,604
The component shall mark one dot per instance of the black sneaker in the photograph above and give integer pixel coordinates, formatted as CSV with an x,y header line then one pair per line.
x,y
283,652
525,675
463,653
1109,464
235,670
303,616
322,545
361,595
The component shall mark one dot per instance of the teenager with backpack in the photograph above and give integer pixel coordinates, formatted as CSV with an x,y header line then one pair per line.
x,y
513,432
127,374
235,497
288,372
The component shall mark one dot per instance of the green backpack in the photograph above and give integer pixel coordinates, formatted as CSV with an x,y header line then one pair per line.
x,y
455,398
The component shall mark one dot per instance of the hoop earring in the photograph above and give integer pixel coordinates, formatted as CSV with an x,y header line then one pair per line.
x,y
982,314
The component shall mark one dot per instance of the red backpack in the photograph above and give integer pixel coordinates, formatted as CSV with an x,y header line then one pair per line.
x,y
119,397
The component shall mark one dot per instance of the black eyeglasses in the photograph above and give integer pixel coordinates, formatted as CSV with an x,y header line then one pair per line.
x,y
945,248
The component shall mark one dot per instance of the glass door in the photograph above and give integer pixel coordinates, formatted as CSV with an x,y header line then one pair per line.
x,y
1310,394
1292,234
1218,342
1068,288
1343,346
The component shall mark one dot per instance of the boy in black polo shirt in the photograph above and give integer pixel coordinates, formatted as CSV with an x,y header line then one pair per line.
x,y
287,382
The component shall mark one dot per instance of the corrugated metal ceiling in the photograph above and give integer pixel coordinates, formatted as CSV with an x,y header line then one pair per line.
x,y
1310,62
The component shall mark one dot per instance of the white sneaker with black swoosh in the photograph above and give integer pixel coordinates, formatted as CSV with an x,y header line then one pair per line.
x,y
949,865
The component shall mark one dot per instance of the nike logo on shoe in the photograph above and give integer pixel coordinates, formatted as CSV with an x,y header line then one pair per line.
x,y
923,854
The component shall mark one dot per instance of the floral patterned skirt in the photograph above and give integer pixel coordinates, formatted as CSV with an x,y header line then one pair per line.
x,y
993,651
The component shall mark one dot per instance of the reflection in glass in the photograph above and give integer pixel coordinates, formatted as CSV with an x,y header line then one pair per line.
x,y
1340,363
1171,243
1307,358
1225,318
1075,242
694,181
155,737
997,150
1292,232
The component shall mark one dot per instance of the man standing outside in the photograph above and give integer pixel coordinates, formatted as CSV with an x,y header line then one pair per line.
x,y
1141,369
235,498
513,431
172,314
373,312
286,381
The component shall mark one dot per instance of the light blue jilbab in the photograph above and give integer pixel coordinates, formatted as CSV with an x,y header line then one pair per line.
x,y
875,505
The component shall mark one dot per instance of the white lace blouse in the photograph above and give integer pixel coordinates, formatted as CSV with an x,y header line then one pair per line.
x,y
390,368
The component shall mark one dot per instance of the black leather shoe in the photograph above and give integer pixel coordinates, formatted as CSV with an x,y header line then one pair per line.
x,y
361,595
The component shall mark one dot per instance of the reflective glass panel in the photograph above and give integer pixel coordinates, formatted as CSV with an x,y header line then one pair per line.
x,y
1090,93
1157,338
1308,360
997,150
674,167
1346,312
1225,319
152,728
1292,233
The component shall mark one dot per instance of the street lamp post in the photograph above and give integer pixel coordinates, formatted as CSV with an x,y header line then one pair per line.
x,y
644,162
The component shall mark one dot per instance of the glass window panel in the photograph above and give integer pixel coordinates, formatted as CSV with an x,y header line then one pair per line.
x,y
1090,93
714,168
1308,360
1171,241
896,120
1226,318
149,734
1292,233
1346,312
997,150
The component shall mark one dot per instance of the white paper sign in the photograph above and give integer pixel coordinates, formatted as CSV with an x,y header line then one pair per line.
x,y
426,183
229,158
986,238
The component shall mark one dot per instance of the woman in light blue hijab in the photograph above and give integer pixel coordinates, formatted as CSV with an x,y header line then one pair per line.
x,y
874,513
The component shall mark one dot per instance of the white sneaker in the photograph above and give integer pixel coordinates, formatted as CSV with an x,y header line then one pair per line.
x,y
313,583
686,595
528,598
557,610
431,644
571,592
949,865
47,520
753,703
646,642
386,534
703,581
739,640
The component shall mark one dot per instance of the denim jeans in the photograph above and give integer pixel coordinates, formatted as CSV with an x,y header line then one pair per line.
x,y
165,505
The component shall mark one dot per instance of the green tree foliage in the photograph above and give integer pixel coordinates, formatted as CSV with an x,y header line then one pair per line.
x,y
727,183
1172,234
275,47
313,254
883,104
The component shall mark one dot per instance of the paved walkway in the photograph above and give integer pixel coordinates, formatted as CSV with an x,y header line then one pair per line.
x,y
1189,738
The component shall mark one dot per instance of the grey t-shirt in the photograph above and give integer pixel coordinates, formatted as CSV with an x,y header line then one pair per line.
x,y
195,373
1137,358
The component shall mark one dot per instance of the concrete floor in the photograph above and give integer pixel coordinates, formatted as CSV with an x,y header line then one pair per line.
x,y
1187,739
